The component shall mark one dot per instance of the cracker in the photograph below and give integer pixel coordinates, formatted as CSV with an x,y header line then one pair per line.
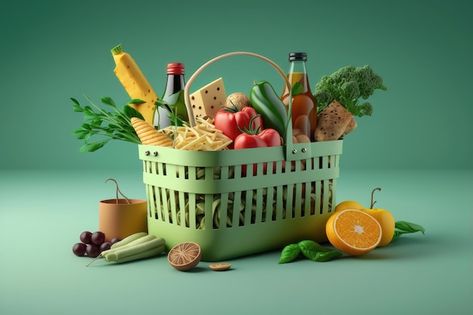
x,y
332,122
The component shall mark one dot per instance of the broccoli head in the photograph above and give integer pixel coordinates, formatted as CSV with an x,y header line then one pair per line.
x,y
348,85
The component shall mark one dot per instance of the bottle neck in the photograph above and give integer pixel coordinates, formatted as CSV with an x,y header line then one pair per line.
x,y
298,73
174,84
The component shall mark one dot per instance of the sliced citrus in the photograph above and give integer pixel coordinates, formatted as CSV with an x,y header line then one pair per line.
x,y
185,256
354,232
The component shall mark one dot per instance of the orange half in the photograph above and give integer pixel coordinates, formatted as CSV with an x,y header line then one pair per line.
x,y
353,231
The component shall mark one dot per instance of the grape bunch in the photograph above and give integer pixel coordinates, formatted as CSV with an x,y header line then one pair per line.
x,y
92,244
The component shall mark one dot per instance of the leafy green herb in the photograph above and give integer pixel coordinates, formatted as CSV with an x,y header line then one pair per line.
x,y
289,253
105,125
175,106
348,85
404,227
310,250
327,255
297,88
316,252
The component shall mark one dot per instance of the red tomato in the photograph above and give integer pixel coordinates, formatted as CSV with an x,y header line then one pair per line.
x,y
232,122
266,138
246,141
271,137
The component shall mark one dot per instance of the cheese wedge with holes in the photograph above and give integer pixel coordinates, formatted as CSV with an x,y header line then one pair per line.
x,y
135,83
209,99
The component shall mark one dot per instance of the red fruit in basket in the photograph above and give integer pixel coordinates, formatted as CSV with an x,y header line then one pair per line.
x,y
114,240
98,238
231,121
79,249
85,237
92,250
105,246
271,137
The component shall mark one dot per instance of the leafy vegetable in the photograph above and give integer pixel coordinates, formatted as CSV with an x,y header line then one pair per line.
x,y
404,227
289,253
105,125
327,256
310,250
348,85
173,105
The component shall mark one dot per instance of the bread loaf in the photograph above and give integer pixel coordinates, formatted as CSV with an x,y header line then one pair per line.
x,y
332,122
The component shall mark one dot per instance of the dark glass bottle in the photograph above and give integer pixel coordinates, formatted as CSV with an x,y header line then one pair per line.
x,y
175,83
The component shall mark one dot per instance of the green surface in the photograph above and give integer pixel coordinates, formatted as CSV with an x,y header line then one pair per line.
x,y
52,50
429,274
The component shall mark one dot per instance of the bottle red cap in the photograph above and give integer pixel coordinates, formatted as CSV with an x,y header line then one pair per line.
x,y
176,68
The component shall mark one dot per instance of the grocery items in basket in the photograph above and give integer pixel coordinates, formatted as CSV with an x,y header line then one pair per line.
x,y
148,135
354,232
233,121
207,100
266,103
350,86
185,256
310,250
202,137
121,217
171,109
91,245
333,122
135,83
222,266
134,247
268,202
304,106
238,100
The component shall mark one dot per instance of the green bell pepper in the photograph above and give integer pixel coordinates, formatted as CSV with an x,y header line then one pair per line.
x,y
267,103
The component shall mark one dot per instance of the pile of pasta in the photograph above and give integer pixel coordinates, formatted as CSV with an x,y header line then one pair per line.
x,y
202,137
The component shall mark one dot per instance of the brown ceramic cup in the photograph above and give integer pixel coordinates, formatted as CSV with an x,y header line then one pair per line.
x,y
119,218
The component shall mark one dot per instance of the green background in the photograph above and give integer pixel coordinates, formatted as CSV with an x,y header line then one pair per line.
x,y
417,147
52,50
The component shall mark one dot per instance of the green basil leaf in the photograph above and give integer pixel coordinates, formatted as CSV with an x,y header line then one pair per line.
x,y
130,112
136,101
297,88
327,255
289,253
108,101
409,227
93,146
310,249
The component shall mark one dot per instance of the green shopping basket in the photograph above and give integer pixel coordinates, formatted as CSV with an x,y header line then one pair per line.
x,y
204,197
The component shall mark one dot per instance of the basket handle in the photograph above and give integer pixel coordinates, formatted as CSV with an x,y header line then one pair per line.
x,y
288,142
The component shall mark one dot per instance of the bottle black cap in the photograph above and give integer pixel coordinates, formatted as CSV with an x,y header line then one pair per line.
x,y
297,56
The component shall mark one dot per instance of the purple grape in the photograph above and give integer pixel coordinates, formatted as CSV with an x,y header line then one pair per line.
x,y
79,249
85,237
92,251
114,240
105,246
98,238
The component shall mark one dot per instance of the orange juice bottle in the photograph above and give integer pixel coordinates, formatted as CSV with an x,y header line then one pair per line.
x,y
304,106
